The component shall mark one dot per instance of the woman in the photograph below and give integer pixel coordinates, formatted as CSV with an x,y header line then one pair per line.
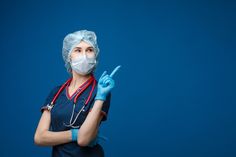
x,y
73,111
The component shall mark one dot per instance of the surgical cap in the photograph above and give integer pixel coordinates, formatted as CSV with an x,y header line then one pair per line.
x,y
71,40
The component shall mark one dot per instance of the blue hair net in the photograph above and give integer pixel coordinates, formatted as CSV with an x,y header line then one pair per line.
x,y
71,40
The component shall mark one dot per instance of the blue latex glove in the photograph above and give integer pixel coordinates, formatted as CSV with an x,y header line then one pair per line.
x,y
105,84
74,134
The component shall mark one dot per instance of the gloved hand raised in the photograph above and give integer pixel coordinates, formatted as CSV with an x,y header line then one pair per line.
x,y
105,84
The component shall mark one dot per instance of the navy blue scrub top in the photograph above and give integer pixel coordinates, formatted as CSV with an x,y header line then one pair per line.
x,y
61,112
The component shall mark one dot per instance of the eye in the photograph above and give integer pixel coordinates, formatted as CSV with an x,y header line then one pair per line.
x,y
90,50
77,50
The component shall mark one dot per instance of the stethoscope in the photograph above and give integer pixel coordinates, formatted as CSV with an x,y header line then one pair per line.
x,y
82,89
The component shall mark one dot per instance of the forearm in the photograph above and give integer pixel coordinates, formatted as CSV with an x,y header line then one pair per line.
x,y
50,138
44,137
89,128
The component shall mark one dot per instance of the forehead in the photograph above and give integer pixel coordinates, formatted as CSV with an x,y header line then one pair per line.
x,y
83,44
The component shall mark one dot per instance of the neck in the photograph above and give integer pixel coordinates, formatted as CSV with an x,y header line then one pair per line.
x,y
78,79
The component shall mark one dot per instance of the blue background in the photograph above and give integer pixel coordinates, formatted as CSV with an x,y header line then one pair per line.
x,y
175,92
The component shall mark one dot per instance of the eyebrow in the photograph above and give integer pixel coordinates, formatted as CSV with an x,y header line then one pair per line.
x,y
86,48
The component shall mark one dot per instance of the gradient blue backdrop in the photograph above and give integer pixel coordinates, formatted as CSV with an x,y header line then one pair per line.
x,y
175,93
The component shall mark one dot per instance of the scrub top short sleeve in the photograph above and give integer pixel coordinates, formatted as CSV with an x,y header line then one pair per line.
x,y
105,107
49,98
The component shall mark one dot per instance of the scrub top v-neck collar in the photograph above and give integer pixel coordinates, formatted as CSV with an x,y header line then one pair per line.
x,y
79,88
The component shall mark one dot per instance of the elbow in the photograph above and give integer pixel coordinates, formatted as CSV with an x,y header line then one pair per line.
x,y
86,141
82,142
82,139
86,138
38,139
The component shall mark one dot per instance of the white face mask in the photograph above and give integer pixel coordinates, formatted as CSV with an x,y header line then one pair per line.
x,y
83,65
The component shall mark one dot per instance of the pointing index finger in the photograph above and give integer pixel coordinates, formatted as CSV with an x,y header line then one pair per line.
x,y
115,70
